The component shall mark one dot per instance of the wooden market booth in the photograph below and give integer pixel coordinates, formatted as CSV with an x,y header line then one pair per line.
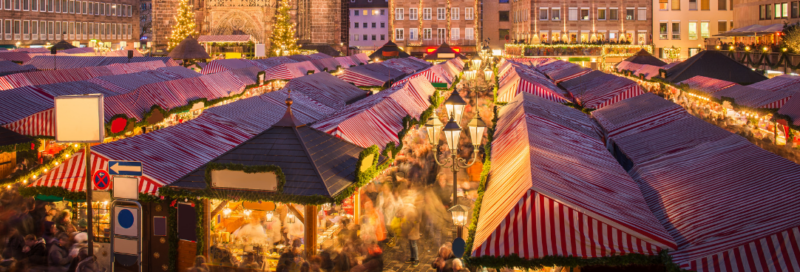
x,y
283,175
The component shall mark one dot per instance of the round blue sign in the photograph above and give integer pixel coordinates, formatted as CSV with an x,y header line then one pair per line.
x,y
125,218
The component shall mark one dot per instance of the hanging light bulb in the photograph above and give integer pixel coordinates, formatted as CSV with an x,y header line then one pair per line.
x,y
226,213
247,212
290,218
270,214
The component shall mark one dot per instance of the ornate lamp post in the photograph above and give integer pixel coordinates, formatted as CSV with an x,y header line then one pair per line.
x,y
452,131
459,214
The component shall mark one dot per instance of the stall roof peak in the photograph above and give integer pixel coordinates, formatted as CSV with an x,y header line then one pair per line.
x,y
288,119
644,57
713,64
189,48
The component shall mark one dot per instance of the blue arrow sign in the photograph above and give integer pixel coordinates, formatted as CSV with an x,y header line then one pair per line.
x,y
125,168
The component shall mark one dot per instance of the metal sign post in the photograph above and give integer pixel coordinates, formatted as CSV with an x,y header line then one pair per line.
x,y
126,233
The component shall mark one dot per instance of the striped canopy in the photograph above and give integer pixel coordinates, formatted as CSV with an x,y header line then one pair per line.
x,y
330,64
548,198
16,56
407,65
525,80
754,98
346,62
568,73
66,75
377,119
123,53
129,82
777,83
27,111
600,91
8,67
375,74
706,84
175,151
675,154
220,65
647,71
48,62
628,66
270,62
287,71
363,58
326,89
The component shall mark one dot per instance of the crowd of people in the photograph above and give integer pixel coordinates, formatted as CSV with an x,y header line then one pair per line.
x,y
39,236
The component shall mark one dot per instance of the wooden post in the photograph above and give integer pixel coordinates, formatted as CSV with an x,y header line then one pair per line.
x,y
357,205
310,224
207,226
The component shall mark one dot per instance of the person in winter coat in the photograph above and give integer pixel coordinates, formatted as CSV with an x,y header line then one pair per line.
x,y
200,265
59,258
411,231
35,252
88,263
444,260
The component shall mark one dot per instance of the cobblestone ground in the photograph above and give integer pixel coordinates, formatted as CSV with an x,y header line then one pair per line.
x,y
395,257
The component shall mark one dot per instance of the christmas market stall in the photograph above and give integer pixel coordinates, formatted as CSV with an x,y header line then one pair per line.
x,y
520,79
568,73
189,50
389,50
436,75
328,64
8,67
556,205
123,53
129,82
76,74
443,53
685,154
16,56
280,191
239,45
375,75
326,89
12,146
408,65
378,119
220,65
711,64
287,71
600,90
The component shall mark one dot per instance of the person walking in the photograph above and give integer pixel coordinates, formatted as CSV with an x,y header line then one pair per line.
x,y
411,230
35,253
59,258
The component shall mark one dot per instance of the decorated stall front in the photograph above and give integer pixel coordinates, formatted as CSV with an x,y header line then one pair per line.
x,y
280,191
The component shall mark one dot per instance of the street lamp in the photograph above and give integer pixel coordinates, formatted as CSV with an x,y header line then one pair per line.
x,y
452,132
459,213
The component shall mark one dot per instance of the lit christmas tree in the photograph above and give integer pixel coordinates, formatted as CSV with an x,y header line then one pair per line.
x,y
283,42
185,24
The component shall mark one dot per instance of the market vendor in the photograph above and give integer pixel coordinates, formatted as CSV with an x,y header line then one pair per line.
x,y
251,231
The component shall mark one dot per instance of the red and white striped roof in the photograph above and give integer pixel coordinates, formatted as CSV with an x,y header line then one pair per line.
x,y
548,198
328,63
16,56
605,90
326,89
123,53
632,116
754,98
407,65
648,71
628,66
345,62
777,83
374,74
66,75
319,56
792,109
523,80
434,74
129,82
173,152
270,62
730,205
9,67
220,65
568,73
287,71
363,58
706,84
377,119
553,66
27,111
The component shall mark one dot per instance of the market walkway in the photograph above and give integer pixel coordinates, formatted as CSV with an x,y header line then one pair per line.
x,y
394,257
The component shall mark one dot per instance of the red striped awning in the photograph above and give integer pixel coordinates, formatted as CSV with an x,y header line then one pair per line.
x,y
523,80
217,66
777,83
287,71
754,98
706,84
71,175
638,114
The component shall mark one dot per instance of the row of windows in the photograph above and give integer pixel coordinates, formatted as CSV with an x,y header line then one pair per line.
x,y
663,34
779,11
366,25
584,14
704,4
69,6
585,36
358,37
53,30
441,14
375,12
427,34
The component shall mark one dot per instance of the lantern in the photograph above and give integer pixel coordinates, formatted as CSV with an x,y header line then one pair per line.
x,y
226,213
487,74
476,129
290,218
247,212
452,132
476,62
433,127
459,214
455,106
270,214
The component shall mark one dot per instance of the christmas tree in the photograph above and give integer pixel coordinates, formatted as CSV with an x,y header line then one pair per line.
x,y
283,42
184,26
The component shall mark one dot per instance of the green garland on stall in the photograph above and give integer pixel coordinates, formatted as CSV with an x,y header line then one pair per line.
x,y
487,166
21,147
566,261
33,191
38,170
172,236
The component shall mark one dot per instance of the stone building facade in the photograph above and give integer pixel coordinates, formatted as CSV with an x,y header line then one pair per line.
x,y
689,24
496,27
421,26
39,22
582,21
319,22
750,12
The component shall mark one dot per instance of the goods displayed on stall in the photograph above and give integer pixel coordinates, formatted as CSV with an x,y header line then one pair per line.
x,y
705,159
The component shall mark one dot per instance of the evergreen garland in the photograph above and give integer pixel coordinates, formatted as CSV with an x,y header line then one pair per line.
x,y
185,24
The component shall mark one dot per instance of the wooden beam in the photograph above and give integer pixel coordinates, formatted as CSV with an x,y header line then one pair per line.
x,y
357,206
207,226
310,234
296,212
218,208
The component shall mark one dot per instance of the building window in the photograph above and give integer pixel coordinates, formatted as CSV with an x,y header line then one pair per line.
x,y
722,4
676,5
357,12
503,16
584,14
468,15
43,30
469,34
762,11
365,37
34,30
503,35
383,25
413,14
57,6
555,14
34,5
662,31
629,14
375,12
412,34
642,14
426,33
454,14
25,5
364,25
573,14
441,14
356,24
383,12
692,30
426,13
601,14
664,4
356,37
543,14
502,1
17,29
692,4
373,37
795,10
374,25
398,14
704,32
722,26
58,30
613,14
455,34
383,37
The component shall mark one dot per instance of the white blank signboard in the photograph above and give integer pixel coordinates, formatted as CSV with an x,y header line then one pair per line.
x,y
79,118
264,181
261,50
126,246
126,187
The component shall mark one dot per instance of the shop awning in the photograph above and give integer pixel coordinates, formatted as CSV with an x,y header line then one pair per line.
x,y
346,62
545,198
637,114
565,74
706,84
48,62
15,56
600,91
526,80
436,75
220,65
752,30
778,83
754,98
406,65
326,89
375,74
129,82
377,119
287,71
